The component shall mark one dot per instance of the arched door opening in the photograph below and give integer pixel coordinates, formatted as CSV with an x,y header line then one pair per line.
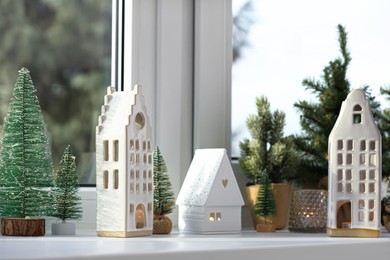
x,y
140,220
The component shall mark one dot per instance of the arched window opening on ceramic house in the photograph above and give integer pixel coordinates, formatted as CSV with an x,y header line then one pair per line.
x,y
116,150
105,150
131,209
357,114
137,158
145,160
116,179
344,214
139,122
105,179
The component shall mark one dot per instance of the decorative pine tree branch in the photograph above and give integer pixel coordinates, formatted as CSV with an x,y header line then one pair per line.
x,y
318,118
268,150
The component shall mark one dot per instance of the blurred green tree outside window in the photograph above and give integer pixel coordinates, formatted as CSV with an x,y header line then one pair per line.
x,y
66,45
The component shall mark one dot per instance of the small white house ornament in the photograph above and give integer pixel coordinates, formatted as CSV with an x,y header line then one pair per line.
x,y
124,165
210,200
355,170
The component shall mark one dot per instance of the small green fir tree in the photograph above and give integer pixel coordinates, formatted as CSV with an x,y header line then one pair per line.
x,y
268,150
265,202
164,199
318,119
26,178
67,203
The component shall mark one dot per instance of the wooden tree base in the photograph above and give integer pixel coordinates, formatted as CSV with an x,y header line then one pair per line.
x,y
22,227
162,225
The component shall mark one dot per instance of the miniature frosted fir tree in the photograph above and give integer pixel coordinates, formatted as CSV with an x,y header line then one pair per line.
x,y
26,178
67,203
265,206
164,199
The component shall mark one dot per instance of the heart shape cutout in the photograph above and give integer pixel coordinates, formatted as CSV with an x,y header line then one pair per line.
x,y
225,182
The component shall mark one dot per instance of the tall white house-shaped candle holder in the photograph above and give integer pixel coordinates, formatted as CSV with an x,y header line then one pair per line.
x,y
124,165
355,171
210,200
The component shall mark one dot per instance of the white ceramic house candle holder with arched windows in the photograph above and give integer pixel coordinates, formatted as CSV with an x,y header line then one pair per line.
x,y
355,170
124,165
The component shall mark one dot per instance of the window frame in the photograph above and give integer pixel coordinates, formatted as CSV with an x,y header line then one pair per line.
x,y
181,52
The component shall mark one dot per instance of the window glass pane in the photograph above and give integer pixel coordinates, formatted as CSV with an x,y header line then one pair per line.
x,y
66,46
282,49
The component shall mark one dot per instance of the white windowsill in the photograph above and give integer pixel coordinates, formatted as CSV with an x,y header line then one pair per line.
x,y
87,245
248,243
